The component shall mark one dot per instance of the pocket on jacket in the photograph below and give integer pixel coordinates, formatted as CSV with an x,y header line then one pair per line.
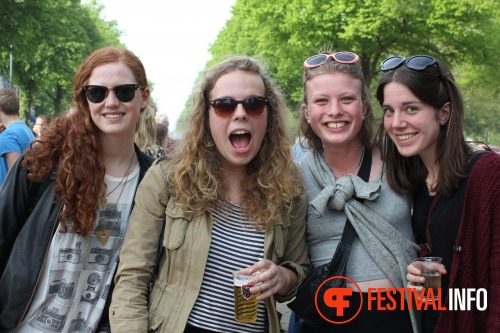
x,y
281,231
159,296
176,225
154,322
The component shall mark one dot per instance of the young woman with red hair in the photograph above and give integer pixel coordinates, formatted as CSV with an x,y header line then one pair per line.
x,y
65,205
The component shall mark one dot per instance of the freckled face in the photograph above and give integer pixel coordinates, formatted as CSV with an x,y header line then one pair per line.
x,y
113,117
238,139
412,125
335,108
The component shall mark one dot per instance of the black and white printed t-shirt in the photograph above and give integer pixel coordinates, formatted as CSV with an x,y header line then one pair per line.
x,y
77,271
235,244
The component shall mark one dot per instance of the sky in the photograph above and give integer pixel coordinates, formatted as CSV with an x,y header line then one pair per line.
x,y
172,39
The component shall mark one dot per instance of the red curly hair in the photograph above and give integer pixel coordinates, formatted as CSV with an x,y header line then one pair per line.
x,y
71,146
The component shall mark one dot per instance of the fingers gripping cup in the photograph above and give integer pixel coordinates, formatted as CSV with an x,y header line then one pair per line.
x,y
245,302
429,266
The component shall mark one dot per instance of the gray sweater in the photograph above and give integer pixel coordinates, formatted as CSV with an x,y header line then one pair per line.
x,y
383,223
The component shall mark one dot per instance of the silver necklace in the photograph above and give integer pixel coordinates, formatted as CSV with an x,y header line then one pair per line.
x,y
338,175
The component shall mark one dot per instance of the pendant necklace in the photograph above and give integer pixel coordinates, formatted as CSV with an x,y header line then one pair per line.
x,y
104,199
103,233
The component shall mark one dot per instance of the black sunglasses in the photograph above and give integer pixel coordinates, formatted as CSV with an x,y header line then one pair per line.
x,y
417,63
124,92
225,107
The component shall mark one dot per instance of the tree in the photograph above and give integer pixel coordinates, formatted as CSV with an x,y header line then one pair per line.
x,y
285,32
50,40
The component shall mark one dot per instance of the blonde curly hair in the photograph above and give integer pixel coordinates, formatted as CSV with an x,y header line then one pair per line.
x,y
196,180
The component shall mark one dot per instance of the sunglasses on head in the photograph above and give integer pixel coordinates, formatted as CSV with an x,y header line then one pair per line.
x,y
225,107
97,94
343,57
417,63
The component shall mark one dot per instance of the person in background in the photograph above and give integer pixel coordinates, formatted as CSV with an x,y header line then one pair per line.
x,y
16,137
299,149
230,198
41,122
65,205
2,127
161,135
163,138
456,192
337,122
162,119
145,137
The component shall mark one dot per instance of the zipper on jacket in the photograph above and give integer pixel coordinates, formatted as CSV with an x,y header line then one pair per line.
x,y
54,226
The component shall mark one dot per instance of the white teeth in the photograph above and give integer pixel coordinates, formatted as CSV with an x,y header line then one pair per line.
x,y
336,125
404,137
240,132
112,116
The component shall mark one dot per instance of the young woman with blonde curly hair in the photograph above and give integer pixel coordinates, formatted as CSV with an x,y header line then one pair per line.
x,y
64,208
229,198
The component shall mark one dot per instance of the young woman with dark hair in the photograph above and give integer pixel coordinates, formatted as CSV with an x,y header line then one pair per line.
x,y
456,192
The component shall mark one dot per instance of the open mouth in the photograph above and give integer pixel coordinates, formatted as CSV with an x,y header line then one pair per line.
x,y
240,140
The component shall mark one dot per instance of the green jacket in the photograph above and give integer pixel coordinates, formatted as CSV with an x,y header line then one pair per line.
x,y
186,245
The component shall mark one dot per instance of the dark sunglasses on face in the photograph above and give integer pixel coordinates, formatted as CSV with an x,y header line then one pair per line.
x,y
124,92
417,63
225,107
343,57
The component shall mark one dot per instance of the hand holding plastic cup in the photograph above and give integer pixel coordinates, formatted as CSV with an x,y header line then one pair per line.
x,y
430,268
245,302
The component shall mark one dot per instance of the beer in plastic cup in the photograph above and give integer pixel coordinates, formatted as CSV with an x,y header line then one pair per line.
x,y
429,266
245,303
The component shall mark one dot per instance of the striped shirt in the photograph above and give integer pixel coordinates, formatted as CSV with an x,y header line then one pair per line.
x,y
235,245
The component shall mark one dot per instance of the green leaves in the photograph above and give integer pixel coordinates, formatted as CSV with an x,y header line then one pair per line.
x,y
285,32
50,39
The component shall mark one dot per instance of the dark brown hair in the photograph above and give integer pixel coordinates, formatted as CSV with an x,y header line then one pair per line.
x,y
434,86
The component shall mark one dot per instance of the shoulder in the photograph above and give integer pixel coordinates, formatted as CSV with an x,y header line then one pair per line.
x,y
302,162
377,164
484,178
18,127
147,159
162,166
486,165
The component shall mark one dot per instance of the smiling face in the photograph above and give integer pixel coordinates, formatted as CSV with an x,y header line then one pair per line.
x,y
335,108
113,117
412,125
238,138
